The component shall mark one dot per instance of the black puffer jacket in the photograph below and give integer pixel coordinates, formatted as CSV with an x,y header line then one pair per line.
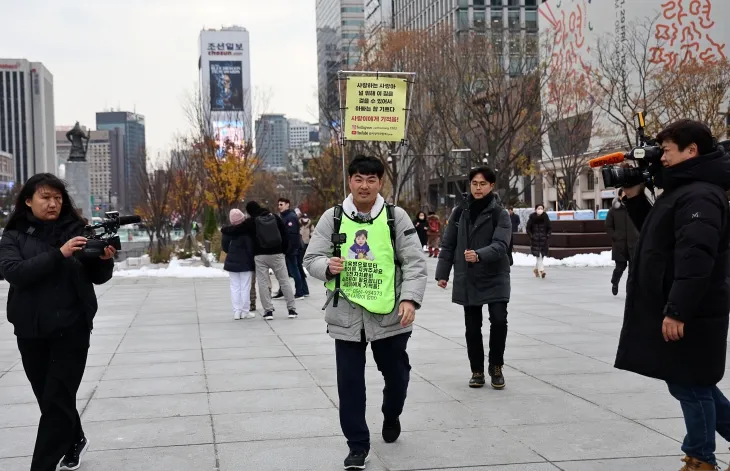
x,y
488,281
239,249
681,269
539,229
48,292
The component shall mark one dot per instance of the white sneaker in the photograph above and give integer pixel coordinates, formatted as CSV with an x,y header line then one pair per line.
x,y
236,315
250,315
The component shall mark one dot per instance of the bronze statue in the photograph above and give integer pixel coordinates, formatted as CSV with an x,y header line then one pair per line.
x,y
76,137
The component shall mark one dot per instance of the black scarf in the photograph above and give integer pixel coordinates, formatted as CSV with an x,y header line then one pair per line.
x,y
476,206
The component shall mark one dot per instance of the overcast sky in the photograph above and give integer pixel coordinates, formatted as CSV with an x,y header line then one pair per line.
x,y
143,54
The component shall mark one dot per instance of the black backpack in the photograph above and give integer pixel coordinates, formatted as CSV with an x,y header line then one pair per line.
x,y
267,232
495,221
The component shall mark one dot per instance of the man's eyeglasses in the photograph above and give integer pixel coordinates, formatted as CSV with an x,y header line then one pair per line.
x,y
479,184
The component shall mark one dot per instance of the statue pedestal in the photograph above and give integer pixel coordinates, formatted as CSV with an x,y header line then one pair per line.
x,y
79,186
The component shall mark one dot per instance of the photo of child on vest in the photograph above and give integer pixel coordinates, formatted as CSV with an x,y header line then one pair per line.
x,y
360,249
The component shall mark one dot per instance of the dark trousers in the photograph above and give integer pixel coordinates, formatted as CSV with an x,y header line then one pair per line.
x,y
392,361
300,261
706,411
54,368
497,335
300,284
618,272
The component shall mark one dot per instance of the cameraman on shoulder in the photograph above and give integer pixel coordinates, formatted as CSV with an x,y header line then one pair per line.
x,y
51,304
383,274
678,298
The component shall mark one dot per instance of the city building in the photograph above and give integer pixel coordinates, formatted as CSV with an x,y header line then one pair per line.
x,y
7,172
512,24
340,29
225,81
301,133
272,140
378,16
27,123
105,155
125,174
677,35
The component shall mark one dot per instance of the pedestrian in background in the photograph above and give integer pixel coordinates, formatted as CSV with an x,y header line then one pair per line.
x,y
539,229
623,235
514,218
476,245
294,244
270,238
434,234
239,263
421,226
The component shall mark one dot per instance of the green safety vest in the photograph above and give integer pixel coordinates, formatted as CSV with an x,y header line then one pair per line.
x,y
369,276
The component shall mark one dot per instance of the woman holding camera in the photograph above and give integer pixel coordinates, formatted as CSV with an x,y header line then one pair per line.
x,y
51,304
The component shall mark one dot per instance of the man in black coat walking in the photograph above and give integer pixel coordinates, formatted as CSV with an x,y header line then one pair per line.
x,y
678,297
476,246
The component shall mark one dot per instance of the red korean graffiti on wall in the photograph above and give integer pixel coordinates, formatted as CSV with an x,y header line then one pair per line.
x,y
685,33
569,48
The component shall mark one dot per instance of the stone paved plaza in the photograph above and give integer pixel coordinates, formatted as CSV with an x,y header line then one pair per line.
x,y
173,383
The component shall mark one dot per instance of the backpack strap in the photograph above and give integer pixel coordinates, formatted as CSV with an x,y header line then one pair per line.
x,y
390,212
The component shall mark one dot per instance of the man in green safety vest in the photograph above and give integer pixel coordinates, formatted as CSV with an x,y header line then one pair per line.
x,y
375,287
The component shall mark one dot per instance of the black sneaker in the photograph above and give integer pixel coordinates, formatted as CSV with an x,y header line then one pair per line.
x,y
391,430
301,296
614,289
495,372
268,316
293,314
477,380
278,295
357,459
72,460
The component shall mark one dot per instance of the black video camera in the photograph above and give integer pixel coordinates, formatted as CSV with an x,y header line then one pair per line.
x,y
104,234
647,156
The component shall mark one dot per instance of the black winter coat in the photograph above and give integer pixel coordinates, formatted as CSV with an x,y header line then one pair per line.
x,y
488,281
622,232
239,249
48,292
515,218
249,227
421,230
681,269
539,229
294,237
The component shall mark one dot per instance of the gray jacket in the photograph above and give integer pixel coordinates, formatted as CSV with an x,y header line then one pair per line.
x,y
488,281
345,322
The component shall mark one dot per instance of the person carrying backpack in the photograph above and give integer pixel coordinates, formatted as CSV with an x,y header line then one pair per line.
x,y
270,240
381,270
476,244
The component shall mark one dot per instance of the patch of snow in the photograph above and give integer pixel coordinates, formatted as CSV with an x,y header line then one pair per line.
x,y
577,261
175,269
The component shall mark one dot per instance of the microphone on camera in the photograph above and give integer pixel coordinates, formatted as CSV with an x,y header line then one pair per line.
x,y
124,220
610,159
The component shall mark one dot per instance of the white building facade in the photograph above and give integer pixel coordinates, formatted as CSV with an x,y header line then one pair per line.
x,y
27,121
225,80
681,31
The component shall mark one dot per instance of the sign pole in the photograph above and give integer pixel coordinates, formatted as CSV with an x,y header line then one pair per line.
x,y
342,139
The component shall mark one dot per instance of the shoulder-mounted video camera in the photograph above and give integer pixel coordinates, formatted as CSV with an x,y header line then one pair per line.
x,y
647,155
104,234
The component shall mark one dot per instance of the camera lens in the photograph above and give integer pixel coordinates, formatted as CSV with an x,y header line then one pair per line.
x,y
616,177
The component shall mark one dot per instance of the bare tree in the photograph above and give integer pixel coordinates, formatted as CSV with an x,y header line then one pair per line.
x,y
572,121
695,90
154,202
626,76
187,194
